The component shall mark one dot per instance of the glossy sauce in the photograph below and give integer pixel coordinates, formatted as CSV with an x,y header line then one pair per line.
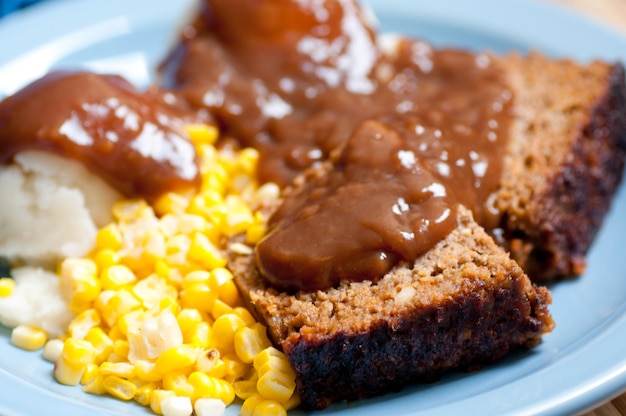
x,y
410,132
130,139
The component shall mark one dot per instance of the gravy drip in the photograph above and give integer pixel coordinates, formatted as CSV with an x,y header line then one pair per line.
x,y
132,140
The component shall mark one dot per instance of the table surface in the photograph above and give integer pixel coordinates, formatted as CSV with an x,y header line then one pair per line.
x,y
613,14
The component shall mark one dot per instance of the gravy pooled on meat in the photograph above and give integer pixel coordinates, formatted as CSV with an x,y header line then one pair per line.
x,y
129,139
411,132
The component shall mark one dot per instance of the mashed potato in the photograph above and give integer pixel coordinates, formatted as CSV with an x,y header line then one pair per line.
x,y
50,208
36,301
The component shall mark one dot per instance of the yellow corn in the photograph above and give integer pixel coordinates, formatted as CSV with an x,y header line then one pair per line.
x,y
245,388
79,283
68,373
250,341
201,134
176,406
95,386
109,237
203,251
28,337
220,308
205,386
52,350
275,385
7,287
188,319
144,393
157,397
269,408
209,407
106,258
159,317
248,406
116,276
78,352
245,315
171,203
83,323
176,358
145,371
224,329
119,387
120,369
198,296
89,373
176,381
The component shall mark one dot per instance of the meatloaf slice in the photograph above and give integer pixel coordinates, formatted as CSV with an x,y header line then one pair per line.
x,y
463,303
564,161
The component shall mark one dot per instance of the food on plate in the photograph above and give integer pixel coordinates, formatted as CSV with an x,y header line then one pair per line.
x,y
71,144
422,195
159,319
294,80
308,85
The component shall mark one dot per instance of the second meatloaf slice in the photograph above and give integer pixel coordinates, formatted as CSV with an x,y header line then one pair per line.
x,y
564,161
463,303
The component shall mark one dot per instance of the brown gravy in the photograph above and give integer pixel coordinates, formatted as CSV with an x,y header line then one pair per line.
x,y
128,138
412,132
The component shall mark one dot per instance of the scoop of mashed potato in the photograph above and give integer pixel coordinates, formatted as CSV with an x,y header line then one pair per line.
x,y
50,208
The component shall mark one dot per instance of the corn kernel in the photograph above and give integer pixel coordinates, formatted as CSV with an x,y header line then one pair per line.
x,y
156,399
248,406
224,329
79,283
245,388
275,385
188,319
78,352
120,369
245,315
83,323
129,210
205,252
68,373
220,308
144,393
89,373
170,203
176,358
250,341
28,337
7,287
209,407
199,336
202,133
109,237
95,386
176,406
198,296
114,277
269,408
52,350
207,360
106,258
206,386
119,388
145,371
176,381
293,402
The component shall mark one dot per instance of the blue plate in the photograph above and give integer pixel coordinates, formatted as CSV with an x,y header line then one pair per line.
x,y
579,365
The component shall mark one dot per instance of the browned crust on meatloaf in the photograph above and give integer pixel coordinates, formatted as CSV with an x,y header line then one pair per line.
x,y
564,162
463,303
